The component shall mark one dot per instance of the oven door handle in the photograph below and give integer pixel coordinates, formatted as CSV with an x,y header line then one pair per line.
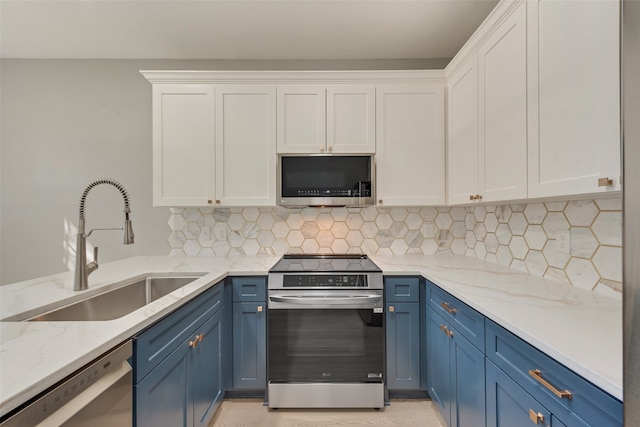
x,y
326,300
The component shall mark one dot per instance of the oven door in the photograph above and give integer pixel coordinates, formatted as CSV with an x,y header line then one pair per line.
x,y
326,339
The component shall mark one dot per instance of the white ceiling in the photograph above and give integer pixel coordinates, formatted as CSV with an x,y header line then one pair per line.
x,y
238,29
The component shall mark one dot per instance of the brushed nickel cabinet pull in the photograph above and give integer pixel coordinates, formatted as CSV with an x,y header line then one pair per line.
x,y
536,417
537,375
605,182
447,307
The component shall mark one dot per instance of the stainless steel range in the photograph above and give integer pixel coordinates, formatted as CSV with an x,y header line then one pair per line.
x,y
326,334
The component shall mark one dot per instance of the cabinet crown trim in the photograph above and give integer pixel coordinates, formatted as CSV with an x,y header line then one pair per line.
x,y
296,77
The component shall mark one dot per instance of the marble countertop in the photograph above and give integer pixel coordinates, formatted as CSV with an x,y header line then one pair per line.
x,y
580,329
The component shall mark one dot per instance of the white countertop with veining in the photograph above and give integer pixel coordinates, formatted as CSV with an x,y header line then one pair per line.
x,y
580,329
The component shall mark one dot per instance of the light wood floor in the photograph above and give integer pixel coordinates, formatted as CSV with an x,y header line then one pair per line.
x,y
251,413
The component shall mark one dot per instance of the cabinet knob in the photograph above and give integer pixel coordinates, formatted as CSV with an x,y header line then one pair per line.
x,y
322,149
259,309
536,417
605,182
479,196
209,202
217,202
472,197
392,309
330,148
379,201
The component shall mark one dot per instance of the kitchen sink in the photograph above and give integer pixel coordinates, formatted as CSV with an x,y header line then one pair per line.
x,y
120,301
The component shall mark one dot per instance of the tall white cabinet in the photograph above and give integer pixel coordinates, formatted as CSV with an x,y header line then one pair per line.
x,y
410,147
487,118
574,102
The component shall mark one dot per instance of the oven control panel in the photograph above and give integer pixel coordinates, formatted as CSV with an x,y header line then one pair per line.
x,y
324,281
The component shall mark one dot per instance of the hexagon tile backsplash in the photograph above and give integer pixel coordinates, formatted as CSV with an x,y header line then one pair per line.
x,y
522,236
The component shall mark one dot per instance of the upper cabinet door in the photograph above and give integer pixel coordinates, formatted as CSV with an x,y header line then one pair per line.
x,y
462,144
351,114
183,145
245,145
301,119
503,112
574,97
410,144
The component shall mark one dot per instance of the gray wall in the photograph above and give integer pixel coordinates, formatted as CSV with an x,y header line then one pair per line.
x,y
65,123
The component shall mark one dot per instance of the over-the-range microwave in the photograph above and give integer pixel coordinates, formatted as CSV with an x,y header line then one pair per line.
x,y
326,180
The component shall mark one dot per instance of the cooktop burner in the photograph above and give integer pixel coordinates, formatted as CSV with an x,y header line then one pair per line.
x,y
323,263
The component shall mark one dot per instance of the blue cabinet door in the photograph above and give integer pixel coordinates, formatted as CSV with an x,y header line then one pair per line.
x,y
205,366
403,346
249,345
467,382
163,397
508,404
438,364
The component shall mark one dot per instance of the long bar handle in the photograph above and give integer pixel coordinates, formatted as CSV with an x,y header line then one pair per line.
x,y
447,307
537,375
327,300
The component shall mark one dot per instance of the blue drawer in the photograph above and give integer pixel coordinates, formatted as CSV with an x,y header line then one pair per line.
x,y
249,289
463,318
402,289
156,342
588,404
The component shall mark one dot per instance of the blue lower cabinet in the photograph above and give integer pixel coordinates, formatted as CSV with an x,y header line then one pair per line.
x,y
249,345
455,374
185,388
178,365
509,405
403,346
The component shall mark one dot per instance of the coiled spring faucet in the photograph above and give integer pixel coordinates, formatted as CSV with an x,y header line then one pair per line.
x,y
81,280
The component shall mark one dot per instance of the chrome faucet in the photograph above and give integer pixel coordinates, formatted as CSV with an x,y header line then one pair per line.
x,y
81,280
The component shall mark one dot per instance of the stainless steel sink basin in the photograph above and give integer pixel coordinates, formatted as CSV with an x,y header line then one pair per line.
x,y
120,301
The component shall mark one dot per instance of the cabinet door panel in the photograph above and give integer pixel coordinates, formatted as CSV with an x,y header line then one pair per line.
x,y
438,364
351,119
574,83
301,119
468,383
245,145
410,144
206,370
462,144
507,403
249,345
183,145
163,398
503,114
403,346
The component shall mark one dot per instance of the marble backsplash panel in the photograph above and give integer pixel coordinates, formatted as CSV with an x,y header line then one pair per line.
x,y
521,236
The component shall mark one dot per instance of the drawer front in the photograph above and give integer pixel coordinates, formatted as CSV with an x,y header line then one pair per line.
x,y
463,318
249,289
548,381
402,289
156,342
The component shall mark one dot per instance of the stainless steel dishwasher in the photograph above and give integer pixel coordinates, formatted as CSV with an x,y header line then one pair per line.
x,y
98,395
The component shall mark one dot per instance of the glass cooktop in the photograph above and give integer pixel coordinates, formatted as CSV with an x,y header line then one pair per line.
x,y
322,263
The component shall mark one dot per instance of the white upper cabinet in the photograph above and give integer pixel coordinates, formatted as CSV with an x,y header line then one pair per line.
x,y
502,73
574,103
301,119
323,119
487,117
351,119
463,136
245,145
410,147
183,145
